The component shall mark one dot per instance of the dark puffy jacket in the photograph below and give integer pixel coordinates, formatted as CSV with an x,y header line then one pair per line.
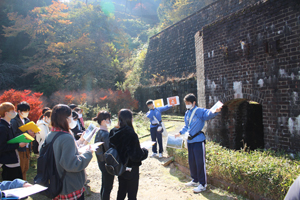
x,y
128,145
8,154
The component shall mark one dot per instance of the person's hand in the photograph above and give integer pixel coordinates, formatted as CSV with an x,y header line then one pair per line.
x,y
22,144
218,110
90,149
31,133
177,135
27,184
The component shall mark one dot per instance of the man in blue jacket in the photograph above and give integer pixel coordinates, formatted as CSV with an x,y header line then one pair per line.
x,y
194,121
154,114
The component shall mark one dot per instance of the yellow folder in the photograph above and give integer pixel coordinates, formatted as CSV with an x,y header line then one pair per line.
x,y
25,137
30,126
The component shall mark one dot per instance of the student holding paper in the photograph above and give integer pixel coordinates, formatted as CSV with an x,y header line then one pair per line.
x,y
103,119
9,156
66,154
194,121
43,124
154,114
23,110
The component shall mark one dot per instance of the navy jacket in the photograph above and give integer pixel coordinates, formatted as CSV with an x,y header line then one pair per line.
x,y
15,124
8,155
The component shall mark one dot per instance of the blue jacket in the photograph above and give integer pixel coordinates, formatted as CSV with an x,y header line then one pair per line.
x,y
157,113
197,124
17,183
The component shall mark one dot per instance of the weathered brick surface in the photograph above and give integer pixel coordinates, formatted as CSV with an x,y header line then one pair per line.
x,y
172,51
253,54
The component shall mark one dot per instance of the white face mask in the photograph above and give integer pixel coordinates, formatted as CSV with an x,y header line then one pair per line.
x,y
12,114
189,106
79,115
24,114
108,124
72,124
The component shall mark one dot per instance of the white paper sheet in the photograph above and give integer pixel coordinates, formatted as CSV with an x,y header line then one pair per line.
x,y
24,191
94,147
89,130
147,144
219,104
173,142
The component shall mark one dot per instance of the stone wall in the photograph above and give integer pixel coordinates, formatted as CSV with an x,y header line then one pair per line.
x,y
176,88
171,53
253,56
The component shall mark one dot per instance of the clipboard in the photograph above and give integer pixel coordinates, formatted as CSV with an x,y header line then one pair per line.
x,y
30,126
25,137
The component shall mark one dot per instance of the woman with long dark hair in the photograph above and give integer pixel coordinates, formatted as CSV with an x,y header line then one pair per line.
x,y
128,146
66,154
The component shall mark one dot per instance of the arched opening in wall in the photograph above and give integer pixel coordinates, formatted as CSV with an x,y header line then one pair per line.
x,y
242,124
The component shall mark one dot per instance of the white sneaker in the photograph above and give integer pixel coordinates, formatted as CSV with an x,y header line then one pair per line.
x,y
160,155
154,154
192,184
198,189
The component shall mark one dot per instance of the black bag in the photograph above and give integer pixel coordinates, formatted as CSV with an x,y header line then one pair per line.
x,y
113,163
47,174
35,146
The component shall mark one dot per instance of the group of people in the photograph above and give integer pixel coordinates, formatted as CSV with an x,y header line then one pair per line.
x,y
70,164
14,158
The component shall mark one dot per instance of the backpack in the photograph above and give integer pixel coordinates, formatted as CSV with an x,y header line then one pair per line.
x,y
47,174
113,163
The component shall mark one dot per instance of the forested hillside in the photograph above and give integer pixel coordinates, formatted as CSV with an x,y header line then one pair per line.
x,y
49,45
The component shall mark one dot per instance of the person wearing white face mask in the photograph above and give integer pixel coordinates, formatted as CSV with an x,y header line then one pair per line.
x,y
67,158
194,121
79,111
43,124
103,119
23,110
154,115
9,156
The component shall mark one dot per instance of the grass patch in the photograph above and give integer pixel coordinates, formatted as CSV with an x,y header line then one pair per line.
x,y
267,173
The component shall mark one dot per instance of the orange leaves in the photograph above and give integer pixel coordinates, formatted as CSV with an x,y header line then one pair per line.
x,y
69,99
103,98
33,99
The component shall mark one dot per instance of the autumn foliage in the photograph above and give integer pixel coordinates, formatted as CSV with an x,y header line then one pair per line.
x,y
33,98
115,100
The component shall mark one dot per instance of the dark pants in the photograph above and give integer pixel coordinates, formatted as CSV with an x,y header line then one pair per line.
x,y
82,197
9,174
196,152
107,182
128,184
156,136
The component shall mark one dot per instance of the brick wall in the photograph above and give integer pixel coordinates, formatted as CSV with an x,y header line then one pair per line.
x,y
253,55
171,53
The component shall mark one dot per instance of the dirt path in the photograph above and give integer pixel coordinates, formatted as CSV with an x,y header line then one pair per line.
x,y
157,182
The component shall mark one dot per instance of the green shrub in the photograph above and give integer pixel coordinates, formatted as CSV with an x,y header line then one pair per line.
x,y
266,173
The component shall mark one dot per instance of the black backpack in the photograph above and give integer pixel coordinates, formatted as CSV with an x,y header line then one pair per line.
x,y
35,146
47,174
113,163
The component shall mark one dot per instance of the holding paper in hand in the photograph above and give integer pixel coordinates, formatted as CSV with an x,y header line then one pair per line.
x,y
218,105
